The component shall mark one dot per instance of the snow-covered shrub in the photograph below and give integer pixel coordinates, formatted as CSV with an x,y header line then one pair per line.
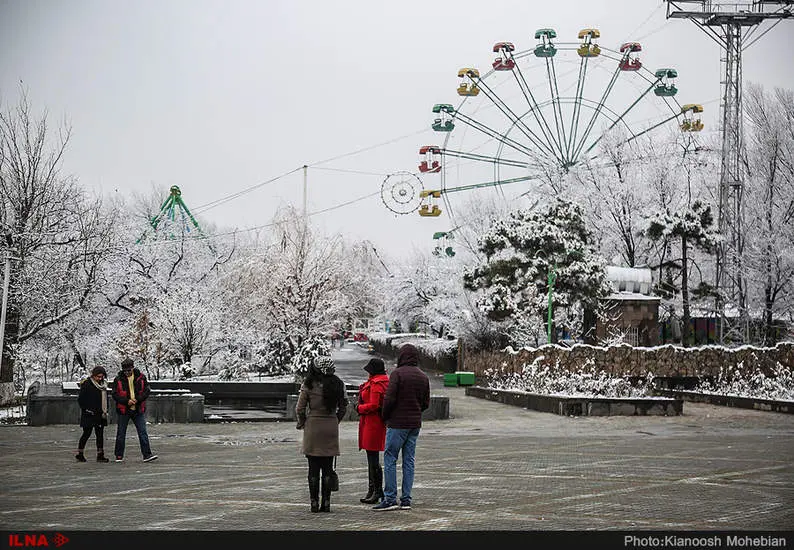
x,y
273,357
312,348
234,372
186,371
394,339
437,348
234,367
540,377
734,381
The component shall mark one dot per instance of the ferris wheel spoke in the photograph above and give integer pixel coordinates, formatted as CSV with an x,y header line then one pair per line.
x,y
551,73
597,111
489,159
623,116
577,107
515,119
540,118
490,132
586,50
497,183
665,121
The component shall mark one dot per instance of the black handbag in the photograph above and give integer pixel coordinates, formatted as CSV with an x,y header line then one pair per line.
x,y
334,478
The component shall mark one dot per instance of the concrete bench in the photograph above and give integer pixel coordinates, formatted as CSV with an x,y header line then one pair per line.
x,y
581,406
161,407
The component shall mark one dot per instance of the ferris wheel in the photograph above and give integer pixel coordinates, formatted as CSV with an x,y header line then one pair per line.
x,y
543,111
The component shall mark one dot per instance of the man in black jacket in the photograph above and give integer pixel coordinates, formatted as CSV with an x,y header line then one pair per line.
x,y
130,390
407,396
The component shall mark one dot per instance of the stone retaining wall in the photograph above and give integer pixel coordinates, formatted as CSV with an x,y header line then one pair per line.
x,y
624,360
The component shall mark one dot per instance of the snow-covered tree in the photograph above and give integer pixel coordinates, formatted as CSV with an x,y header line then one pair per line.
x,y
525,252
690,227
769,205
614,197
418,291
294,288
311,348
55,234
160,290
187,319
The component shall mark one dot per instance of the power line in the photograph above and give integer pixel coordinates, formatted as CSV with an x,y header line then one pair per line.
x,y
381,174
369,148
638,27
227,198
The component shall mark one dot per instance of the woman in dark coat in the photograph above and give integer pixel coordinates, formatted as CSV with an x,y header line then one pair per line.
x,y
322,403
371,429
93,413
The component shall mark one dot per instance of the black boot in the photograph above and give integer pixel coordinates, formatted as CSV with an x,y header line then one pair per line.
x,y
100,457
80,457
371,488
325,504
377,493
314,493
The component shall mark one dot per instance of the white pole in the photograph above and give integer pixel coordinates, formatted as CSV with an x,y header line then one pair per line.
x,y
6,277
305,211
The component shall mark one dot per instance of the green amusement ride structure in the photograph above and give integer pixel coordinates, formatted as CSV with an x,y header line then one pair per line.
x,y
173,214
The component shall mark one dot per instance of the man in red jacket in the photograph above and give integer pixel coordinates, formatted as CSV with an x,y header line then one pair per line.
x,y
130,390
407,396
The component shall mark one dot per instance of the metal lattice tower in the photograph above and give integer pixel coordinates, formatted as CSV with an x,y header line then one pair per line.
x,y
733,25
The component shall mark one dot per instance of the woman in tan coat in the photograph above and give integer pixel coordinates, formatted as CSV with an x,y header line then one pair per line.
x,y
322,404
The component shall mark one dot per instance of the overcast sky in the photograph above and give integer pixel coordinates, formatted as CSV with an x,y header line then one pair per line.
x,y
217,97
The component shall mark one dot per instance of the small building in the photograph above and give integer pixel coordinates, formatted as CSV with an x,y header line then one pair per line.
x,y
632,312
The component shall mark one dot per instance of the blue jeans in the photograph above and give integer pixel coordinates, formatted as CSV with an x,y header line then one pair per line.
x,y
121,433
399,440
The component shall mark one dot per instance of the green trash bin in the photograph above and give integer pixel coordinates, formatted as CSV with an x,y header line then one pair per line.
x,y
465,378
451,379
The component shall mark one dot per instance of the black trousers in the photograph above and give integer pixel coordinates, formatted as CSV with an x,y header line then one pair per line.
x,y
100,437
320,463
373,460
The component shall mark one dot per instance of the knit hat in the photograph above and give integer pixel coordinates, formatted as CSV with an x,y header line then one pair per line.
x,y
127,364
375,366
99,370
325,365
409,355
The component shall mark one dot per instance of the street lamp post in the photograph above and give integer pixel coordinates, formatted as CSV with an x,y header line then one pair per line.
x,y
552,276
6,278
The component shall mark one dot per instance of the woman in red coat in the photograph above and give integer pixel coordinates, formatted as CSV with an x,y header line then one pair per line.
x,y
371,429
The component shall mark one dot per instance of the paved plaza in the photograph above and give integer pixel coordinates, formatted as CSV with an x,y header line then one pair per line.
x,y
489,467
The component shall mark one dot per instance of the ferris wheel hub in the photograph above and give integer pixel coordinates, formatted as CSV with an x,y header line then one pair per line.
x,y
401,192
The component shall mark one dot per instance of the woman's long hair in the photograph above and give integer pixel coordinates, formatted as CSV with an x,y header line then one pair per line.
x,y
333,387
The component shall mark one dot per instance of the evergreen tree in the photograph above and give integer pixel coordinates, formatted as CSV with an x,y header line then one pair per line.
x,y
528,250
692,226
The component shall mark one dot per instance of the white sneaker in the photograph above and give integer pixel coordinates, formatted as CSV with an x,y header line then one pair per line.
x,y
150,458
119,459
